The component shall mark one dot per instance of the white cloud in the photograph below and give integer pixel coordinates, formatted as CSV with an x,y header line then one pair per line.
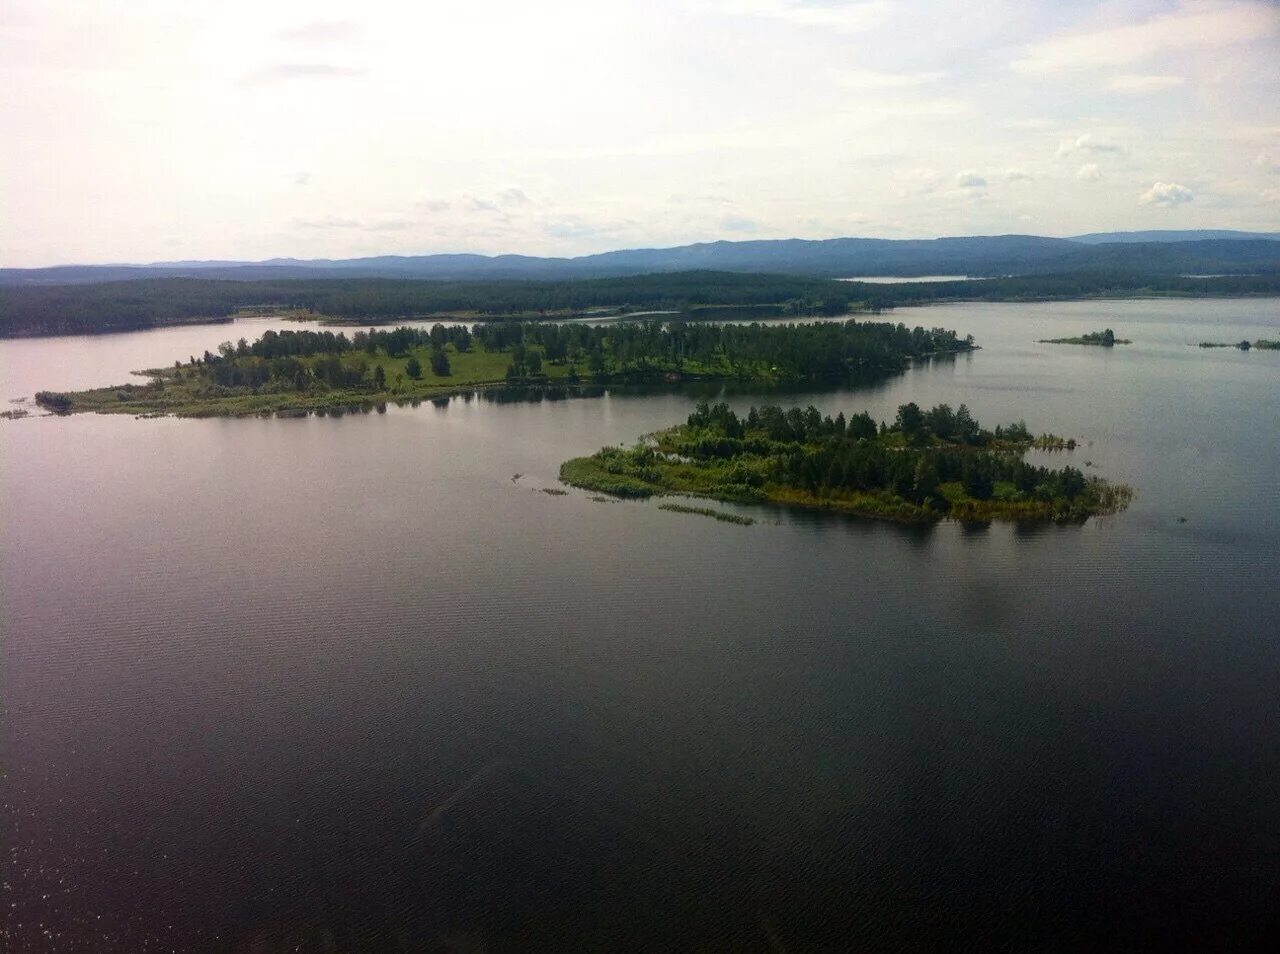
x,y
1089,143
851,16
1017,175
1167,194
1270,195
1138,84
1204,26
323,31
1089,172
472,203
970,179
1267,164
737,223
281,72
871,80
387,223
513,197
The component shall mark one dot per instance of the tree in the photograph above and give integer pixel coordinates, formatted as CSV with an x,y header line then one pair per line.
x,y
966,428
440,362
976,478
413,367
1108,338
926,479
379,378
910,418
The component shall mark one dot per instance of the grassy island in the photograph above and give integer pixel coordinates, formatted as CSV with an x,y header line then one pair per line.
x,y
300,371
924,466
1262,344
1105,339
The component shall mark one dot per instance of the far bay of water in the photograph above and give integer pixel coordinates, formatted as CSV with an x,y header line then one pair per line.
x,y
343,684
901,279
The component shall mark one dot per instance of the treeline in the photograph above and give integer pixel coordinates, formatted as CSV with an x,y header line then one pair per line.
x,y
148,303
125,305
302,360
793,352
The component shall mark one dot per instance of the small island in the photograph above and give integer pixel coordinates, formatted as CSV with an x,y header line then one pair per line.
x,y
1104,339
295,372
1262,344
924,466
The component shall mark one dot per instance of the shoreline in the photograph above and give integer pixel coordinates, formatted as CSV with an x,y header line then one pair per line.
x,y
589,314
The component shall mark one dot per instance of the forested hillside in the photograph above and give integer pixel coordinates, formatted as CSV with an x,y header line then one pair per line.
x,y
119,306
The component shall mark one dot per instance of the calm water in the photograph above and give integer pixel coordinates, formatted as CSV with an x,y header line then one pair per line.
x,y
341,684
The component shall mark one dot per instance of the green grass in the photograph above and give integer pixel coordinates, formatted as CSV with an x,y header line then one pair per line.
x,y
188,396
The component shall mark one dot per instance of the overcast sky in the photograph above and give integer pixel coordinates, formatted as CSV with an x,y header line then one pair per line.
x,y
141,130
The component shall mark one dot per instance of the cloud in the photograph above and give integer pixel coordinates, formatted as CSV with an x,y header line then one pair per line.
x,y
1267,163
323,31
382,224
577,227
301,178
871,80
1270,195
282,72
846,17
970,180
1017,175
473,203
513,197
1136,84
1089,172
681,199
1208,26
432,205
736,223
1167,194
1087,143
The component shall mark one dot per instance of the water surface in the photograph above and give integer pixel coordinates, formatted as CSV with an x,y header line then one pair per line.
x,y
343,684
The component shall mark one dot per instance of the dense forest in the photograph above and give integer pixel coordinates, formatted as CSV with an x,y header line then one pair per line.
x,y
114,306
924,465
699,295
307,369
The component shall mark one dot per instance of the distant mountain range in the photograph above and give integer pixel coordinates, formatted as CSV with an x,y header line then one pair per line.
x,y
1207,251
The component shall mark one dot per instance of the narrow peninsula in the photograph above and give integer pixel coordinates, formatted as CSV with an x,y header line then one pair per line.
x,y
292,372
924,466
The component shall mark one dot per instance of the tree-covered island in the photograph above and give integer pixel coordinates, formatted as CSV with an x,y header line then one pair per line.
x,y
297,371
1262,344
1105,339
924,466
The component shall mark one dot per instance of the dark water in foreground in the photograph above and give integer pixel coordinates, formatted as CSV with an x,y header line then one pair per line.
x,y
341,684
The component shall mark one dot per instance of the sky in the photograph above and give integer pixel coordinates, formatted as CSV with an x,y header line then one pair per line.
x,y
159,130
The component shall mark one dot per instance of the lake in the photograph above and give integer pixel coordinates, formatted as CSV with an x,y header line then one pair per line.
x,y
344,684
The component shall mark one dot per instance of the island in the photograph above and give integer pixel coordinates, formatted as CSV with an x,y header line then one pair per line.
x,y
295,372
1262,344
1105,339
924,466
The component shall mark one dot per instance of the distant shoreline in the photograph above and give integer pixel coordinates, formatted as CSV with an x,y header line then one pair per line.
x,y
130,306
